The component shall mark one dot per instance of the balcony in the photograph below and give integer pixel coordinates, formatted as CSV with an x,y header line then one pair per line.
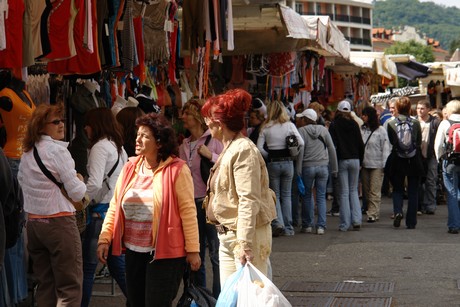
x,y
344,18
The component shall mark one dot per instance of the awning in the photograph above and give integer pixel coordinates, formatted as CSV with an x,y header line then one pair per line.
x,y
376,61
412,70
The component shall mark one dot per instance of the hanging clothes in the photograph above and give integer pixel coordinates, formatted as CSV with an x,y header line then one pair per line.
x,y
129,59
11,57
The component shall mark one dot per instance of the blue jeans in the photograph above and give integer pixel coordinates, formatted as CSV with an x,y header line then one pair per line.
x,y
413,182
295,199
450,173
280,175
348,198
208,233
116,264
317,176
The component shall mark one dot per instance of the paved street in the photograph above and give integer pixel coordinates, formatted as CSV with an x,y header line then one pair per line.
x,y
398,267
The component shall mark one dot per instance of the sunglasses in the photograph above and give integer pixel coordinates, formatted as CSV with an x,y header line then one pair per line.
x,y
57,122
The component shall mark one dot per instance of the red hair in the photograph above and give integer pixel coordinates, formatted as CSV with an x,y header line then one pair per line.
x,y
229,108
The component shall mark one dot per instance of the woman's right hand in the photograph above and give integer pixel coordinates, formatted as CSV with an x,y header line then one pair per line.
x,y
103,252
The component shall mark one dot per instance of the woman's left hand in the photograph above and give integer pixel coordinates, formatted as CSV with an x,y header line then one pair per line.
x,y
245,256
205,152
194,260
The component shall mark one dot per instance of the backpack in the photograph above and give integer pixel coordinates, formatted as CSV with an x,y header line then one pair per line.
x,y
13,213
406,143
453,143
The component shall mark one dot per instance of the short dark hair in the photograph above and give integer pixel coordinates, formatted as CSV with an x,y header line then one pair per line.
x,y
403,106
163,132
104,125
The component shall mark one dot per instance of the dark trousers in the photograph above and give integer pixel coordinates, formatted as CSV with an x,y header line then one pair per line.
x,y
152,283
208,234
397,180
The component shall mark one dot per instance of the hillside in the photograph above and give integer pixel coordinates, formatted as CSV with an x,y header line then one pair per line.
x,y
439,22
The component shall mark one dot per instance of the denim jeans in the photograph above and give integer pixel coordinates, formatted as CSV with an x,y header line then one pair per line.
x,y
208,236
348,198
295,202
429,187
280,175
152,283
413,182
116,264
451,174
317,176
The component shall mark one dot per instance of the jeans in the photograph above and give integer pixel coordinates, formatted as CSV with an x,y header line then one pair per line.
x,y
348,198
317,176
397,180
451,174
208,233
295,202
116,264
152,283
280,175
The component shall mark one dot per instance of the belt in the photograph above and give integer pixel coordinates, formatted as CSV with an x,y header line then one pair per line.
x,y
221,229
280,159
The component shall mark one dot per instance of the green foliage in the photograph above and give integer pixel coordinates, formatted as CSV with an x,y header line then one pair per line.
x,y
437,21
422,53
454,45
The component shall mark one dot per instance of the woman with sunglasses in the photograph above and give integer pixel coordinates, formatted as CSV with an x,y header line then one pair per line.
x,y
239,201
53,238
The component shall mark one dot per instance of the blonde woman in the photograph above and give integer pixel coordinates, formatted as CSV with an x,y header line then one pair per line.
x,y
280,166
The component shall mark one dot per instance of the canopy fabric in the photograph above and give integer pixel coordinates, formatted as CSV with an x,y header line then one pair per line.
x,y
377,61
412,70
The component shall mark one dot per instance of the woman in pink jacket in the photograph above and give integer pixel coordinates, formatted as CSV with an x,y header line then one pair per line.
x,y
152,216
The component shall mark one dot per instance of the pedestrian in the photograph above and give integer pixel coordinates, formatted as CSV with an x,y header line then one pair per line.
x,y
105,160
405,136
126,117
313,166
153,216
239,200
272,145
200,145
428,185
450,171
376,152
54,243
350,150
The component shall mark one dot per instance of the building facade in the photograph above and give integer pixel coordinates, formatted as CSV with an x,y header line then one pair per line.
x,y
353,18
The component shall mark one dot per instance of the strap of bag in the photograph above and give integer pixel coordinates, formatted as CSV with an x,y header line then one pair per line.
x,y
45,171
208,138
368,139
113,168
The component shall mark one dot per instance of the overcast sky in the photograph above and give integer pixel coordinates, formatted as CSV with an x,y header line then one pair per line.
x,y
445,2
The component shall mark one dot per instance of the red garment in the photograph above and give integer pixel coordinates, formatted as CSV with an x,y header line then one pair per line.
x,y
60,24
173,53
139,70
85,62
169,244
11,57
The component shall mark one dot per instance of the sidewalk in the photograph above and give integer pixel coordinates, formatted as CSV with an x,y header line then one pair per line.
x,y
398,267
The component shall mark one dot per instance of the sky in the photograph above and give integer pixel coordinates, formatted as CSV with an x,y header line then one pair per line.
x,y
445,2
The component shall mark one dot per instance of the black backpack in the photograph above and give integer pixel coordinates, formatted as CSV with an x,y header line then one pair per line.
x,y
13,213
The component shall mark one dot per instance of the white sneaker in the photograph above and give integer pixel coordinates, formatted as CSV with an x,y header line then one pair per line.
x,y
320,231
306,230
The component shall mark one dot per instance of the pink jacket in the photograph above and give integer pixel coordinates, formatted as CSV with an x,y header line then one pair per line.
x,y
174,226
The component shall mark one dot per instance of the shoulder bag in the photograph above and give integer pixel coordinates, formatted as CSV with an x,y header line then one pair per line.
x,y
205,163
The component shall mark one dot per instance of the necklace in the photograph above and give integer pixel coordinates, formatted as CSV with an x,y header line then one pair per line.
x,y
149,167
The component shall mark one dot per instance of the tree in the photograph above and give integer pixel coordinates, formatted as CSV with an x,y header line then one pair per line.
x,y
422,53
455,44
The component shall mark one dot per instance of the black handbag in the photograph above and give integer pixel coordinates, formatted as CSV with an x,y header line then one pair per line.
x,y
205,164
192,293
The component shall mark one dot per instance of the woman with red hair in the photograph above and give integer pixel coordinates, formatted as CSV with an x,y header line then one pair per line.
x,y
238,201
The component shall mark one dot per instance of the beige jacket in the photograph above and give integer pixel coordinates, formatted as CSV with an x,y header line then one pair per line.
x,y
243,200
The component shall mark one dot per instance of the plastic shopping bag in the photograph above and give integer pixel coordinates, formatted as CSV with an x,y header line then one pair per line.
x,y
256,290
229,294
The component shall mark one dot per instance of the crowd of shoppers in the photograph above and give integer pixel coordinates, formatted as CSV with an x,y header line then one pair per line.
x,y
157,212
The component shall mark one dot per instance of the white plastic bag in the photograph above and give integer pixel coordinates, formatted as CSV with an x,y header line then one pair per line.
x,y
229,295
256,290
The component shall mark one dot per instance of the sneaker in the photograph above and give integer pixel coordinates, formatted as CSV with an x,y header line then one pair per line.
x,y
306,230
320,231
419,212
356,227
371,219
429,212
277,231
453,230
332,213
397,221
